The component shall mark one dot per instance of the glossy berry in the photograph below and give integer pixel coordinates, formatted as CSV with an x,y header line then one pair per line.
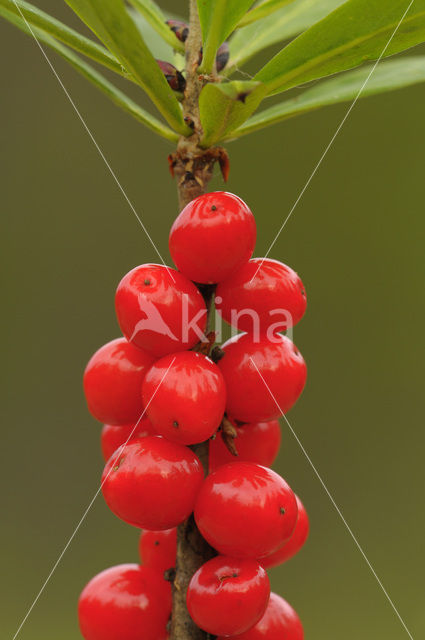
x,y
295,542
153,484
227,596
245,510
114,436
160,310
280,622
262,295
212,237
187,397
263,378
112,382
128,602
157,549
256,442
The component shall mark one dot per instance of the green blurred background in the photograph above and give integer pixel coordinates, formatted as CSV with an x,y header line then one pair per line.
x,y
357,240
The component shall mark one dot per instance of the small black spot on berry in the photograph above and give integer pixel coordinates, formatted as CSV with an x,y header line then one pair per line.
x,y
156,543
282,511
213,208
175,424
147,282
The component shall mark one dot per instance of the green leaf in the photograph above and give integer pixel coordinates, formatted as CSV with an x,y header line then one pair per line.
x,y
62,32
157,46
94,77
160,49
153,14
278,27
224,107
359,30
109,20
387,76
218,19
262,10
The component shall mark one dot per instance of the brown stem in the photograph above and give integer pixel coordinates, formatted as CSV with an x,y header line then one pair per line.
x,y
192,548
191,165
192,551
193,169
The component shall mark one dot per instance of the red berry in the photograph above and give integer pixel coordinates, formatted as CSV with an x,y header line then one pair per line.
x,y
295,542
114,436
157,549
280,622
189,403
212,237
251,398
263,295
245,510
160,310
153,483
257,442
227,596
128,602
112,382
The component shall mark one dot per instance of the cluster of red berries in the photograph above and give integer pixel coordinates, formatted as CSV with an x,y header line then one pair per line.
x,y
158,392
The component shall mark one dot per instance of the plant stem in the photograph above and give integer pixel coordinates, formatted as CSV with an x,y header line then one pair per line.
x,y
192,166
192,549
193,169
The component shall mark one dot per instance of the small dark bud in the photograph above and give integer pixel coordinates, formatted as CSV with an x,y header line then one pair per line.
x,y
174,78
217,354
170,575
222,57
181,29
242,96
189,122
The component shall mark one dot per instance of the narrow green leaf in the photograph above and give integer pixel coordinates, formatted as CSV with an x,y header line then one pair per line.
x,y
218,19
387,76
62,32
153,14
278,27
359,30
94,77
160,49
262,10
109,20
224,107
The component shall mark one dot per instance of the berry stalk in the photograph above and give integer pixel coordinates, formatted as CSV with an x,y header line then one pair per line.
x,y
192,548
193,169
